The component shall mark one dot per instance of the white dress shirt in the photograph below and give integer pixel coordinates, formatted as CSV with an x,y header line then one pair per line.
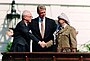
x,y
40,24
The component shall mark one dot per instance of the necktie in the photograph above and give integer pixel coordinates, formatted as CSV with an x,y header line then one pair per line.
x,y
42,29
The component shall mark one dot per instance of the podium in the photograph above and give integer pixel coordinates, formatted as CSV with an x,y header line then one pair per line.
x,y
45,56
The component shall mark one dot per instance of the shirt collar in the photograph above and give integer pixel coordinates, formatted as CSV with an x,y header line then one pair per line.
x,y
40,19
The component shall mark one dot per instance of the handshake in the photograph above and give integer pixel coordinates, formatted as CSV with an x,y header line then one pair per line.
x,y
42,44
47,44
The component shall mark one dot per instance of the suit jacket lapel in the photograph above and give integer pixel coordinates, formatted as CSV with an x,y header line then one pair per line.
x,y
37,27
46,26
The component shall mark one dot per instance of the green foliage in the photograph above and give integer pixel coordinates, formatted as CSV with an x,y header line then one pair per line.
x,y
8,46
84,48
88,47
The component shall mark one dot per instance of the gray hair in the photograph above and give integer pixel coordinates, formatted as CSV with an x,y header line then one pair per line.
x,y
40,7
26,12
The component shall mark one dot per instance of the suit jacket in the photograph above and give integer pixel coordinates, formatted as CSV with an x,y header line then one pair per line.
x,y
22,37
50,27
67,38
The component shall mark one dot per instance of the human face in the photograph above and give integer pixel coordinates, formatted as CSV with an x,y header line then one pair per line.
x,y
28,18
42,13
61,21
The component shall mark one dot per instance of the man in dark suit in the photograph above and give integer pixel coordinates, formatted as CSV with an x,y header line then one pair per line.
x,y
22,36
43,33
